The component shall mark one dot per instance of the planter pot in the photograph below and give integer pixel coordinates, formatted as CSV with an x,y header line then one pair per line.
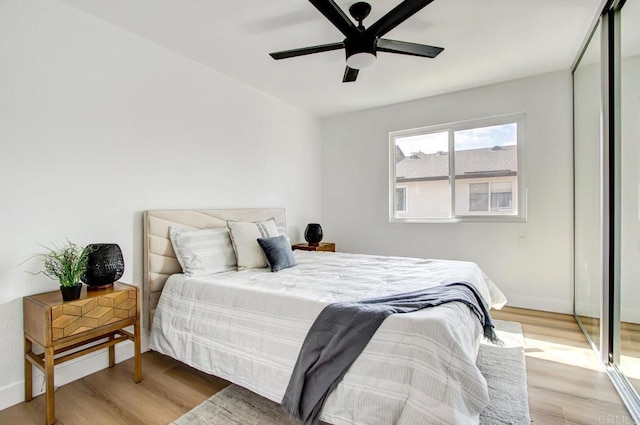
x,y
70,293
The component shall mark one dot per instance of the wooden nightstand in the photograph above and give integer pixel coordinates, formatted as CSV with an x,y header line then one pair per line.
x,y
59,326
322,246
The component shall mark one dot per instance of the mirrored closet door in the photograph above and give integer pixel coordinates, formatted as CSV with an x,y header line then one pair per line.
x,y
587,187
606,78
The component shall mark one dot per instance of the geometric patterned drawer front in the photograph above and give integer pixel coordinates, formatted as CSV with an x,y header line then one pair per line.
x,y
75,317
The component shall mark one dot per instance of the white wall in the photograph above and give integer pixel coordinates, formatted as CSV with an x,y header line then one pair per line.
x,y
98,125
531,262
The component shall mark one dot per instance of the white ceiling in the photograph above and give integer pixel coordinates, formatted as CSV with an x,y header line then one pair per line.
x,y
485,41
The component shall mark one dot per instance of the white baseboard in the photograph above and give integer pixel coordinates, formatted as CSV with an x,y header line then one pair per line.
x,y
70,371
542,304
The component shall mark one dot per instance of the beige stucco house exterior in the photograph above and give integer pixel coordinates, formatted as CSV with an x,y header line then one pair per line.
x,y
486,183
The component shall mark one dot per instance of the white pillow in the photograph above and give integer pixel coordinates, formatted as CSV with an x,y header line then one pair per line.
x,y
203,252
244,236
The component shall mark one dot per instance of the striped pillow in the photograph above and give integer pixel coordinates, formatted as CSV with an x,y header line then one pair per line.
x,y
203,252
244,236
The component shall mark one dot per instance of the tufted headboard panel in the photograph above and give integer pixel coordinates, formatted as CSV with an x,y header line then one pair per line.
x,y
159,259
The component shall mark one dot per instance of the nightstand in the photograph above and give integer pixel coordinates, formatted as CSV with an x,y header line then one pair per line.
x,y
322,246
58,326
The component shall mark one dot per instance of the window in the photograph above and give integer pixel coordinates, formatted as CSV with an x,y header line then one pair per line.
x,y
401,199
478,196
455,172
490,196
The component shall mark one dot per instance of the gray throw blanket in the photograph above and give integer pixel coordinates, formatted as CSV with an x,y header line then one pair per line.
x,y
343,329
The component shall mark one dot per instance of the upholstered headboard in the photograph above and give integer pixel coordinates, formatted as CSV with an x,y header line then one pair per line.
x,y
159,259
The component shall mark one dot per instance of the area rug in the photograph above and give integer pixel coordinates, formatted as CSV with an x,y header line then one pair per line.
x,y
503,368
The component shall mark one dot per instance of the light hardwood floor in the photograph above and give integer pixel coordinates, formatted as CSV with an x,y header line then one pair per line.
x,y
566,384
629,347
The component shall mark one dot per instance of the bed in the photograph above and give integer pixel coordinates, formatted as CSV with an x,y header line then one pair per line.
x,y
248,326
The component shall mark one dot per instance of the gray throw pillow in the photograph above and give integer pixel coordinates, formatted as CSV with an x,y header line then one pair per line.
x,y
278,252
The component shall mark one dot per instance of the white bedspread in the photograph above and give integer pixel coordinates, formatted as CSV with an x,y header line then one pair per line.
x,y
248,327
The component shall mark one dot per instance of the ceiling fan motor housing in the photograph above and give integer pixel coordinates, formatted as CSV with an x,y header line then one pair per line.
x,y
360,51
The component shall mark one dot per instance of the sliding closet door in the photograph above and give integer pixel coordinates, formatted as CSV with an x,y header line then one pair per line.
x,y
588,191
630,186
607,196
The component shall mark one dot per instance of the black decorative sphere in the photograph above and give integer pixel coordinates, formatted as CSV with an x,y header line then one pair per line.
x,y
313,233
105,265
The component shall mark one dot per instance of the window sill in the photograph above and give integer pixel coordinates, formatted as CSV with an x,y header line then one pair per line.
x,y
451,220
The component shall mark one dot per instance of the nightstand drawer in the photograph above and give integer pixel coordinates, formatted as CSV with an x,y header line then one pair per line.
x,y
84,315
48,319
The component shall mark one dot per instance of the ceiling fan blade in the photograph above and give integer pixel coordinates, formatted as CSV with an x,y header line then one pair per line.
x,y
396,16
350,75
406,48
306,50
333,13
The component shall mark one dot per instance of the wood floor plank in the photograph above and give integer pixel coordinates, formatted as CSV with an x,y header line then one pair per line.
x,y
566,383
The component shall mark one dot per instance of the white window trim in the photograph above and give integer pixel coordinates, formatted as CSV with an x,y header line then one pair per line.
x,y
521,217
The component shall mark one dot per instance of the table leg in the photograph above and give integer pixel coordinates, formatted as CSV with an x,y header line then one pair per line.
x,y
112,352
28,371
51,401
136,345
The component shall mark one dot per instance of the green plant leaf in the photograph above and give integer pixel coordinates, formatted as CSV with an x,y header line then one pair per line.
x,y
66,263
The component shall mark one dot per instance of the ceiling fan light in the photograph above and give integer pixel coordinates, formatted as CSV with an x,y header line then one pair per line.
x,y
361,60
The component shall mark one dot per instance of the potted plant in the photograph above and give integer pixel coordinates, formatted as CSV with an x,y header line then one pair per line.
x,y
66,264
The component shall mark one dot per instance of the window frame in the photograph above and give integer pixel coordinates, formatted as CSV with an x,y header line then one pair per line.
x,y
518,118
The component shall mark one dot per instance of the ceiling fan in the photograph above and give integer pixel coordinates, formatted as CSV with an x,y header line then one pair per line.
x,y
362,44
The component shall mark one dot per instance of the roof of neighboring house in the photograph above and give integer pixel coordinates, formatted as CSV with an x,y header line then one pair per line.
x,y
399,154
471,163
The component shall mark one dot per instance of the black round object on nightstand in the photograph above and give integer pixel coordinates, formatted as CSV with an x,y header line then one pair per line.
x,y
313,233
105,265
